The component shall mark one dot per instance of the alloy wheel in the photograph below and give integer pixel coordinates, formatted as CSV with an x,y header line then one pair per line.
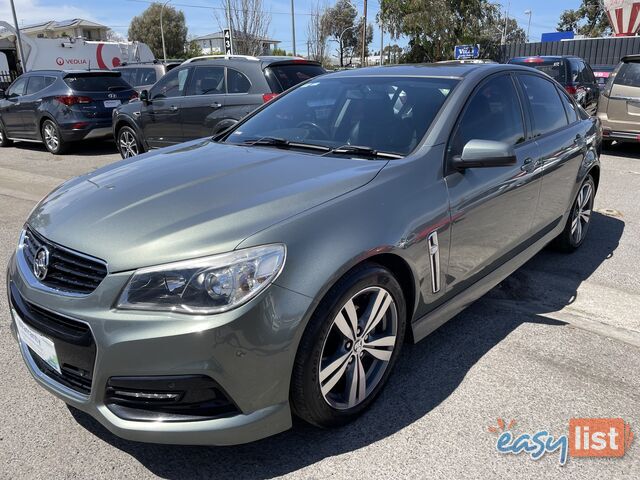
x,y
358,347
128,144
51,136
582,213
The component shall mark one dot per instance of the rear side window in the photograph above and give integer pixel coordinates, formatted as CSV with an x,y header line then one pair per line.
x,y
283,77
569,107
96,83
628,75
18,88
493,113
237,82
546,106
207,81
129,75
556,69
38,83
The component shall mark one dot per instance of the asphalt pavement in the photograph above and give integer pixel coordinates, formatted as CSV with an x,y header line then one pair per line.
x,y
558,339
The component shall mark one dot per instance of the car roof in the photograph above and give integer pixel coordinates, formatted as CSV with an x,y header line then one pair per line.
x,y
263,61
63,73
546,57
451,70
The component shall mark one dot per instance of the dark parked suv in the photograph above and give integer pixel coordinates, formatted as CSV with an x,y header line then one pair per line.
x,y
573,73
58,107
204,96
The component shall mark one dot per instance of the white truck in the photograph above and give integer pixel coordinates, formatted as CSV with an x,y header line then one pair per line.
x,y
70,53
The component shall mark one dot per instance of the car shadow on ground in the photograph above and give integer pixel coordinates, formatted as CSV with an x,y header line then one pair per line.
x,y
622,149
425,375
86,148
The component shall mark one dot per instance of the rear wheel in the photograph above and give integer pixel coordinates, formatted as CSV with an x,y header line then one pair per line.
x,y
349,347
128,143
52,138
575,231
4,141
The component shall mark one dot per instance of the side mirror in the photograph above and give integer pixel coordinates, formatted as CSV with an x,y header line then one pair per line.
x,y
485,153
2,94
144,97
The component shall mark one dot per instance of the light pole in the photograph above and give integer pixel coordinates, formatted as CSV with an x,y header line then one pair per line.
x,y
340,43
363,61
528,12
506,21
293,28
164,50
18,38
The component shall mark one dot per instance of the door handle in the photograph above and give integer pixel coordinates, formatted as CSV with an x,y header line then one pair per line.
x,y
216,105
529,165
173,108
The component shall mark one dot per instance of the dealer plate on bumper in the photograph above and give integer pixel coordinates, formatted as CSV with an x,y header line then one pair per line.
x,y
39,344
112,103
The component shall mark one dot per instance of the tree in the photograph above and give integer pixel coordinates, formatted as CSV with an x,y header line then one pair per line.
x,y
590,20
192,49
113,36
146,28
341,23
250,24
318,33
279,52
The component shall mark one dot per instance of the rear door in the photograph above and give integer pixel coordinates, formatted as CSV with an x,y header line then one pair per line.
x,y
203,106
160,117
623,109
494,207
10,108
31,101
559,136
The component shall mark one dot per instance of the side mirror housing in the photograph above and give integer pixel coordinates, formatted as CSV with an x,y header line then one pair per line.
x,y
485,153
144,97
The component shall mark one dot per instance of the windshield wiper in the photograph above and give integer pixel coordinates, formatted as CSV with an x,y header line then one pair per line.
x,y
284,143
363,151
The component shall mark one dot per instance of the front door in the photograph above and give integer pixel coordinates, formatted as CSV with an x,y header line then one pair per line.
x,y
492,209
160,116
204,105
10,108
31,102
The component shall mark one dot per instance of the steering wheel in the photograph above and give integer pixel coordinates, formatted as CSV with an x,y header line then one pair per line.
x,y
316,127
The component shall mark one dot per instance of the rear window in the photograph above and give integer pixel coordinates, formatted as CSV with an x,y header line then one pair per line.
x,y
554,68
96,83
283,77
628,75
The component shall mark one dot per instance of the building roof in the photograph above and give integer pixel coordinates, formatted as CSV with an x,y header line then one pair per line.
x,y
220,36
55,25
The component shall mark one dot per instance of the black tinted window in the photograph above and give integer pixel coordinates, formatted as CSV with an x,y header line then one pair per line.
x,y
146,76
237,82
493,113
588,75
546,106
556,69
569,107
96,83
38,83
207,81
128,75
628,75
171,85
283,77
18,88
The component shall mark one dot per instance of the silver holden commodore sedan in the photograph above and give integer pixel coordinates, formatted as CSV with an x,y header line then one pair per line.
x,y
207,292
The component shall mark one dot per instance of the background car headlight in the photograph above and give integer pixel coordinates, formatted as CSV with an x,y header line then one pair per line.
x,y
205,285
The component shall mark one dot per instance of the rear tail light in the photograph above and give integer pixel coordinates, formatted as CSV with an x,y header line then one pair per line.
x,y
534,60
79,125
268,96
69,100
571,90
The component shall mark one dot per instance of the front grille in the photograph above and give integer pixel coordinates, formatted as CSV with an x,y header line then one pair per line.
x,y
68,271
74,344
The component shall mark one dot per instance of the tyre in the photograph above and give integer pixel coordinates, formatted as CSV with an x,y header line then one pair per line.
x,y
128,143
4,141
349,347
52,138
575,231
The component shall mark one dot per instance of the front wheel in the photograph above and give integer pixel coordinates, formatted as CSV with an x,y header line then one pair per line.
x,y
349,347
4,140
575,230
52,138
128,143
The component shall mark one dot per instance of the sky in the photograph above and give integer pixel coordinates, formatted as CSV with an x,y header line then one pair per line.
x,y
201,19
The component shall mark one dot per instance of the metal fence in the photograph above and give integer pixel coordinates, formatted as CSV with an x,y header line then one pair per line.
x,y
6,77
596,51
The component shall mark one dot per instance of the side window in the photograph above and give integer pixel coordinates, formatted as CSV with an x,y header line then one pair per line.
x,y
146,76
237,82
207,81
546,106
171,85
128,75
36,83
18,88
569,107
493,113
589,77
628,75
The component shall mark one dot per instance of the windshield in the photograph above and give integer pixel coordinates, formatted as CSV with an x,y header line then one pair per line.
x,y
387,114
96,83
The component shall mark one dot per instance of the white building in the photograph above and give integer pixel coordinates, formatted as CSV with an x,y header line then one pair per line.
x,y
213,44
74,28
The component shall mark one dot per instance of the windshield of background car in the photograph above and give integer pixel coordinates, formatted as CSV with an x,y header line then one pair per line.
x,y
386,114
554,68
95,83
283,77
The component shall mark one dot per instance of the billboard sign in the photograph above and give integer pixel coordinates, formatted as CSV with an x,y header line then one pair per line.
x,y
462,52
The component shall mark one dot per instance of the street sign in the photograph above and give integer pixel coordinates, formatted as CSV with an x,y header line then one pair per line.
x,y
462,52
228,46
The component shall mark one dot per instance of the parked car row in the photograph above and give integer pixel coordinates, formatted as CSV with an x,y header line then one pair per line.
x,y
202,96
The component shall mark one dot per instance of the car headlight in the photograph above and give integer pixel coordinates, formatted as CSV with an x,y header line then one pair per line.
x,y
205,285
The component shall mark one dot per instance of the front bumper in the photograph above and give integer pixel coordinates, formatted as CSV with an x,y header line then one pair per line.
x,y
248,351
